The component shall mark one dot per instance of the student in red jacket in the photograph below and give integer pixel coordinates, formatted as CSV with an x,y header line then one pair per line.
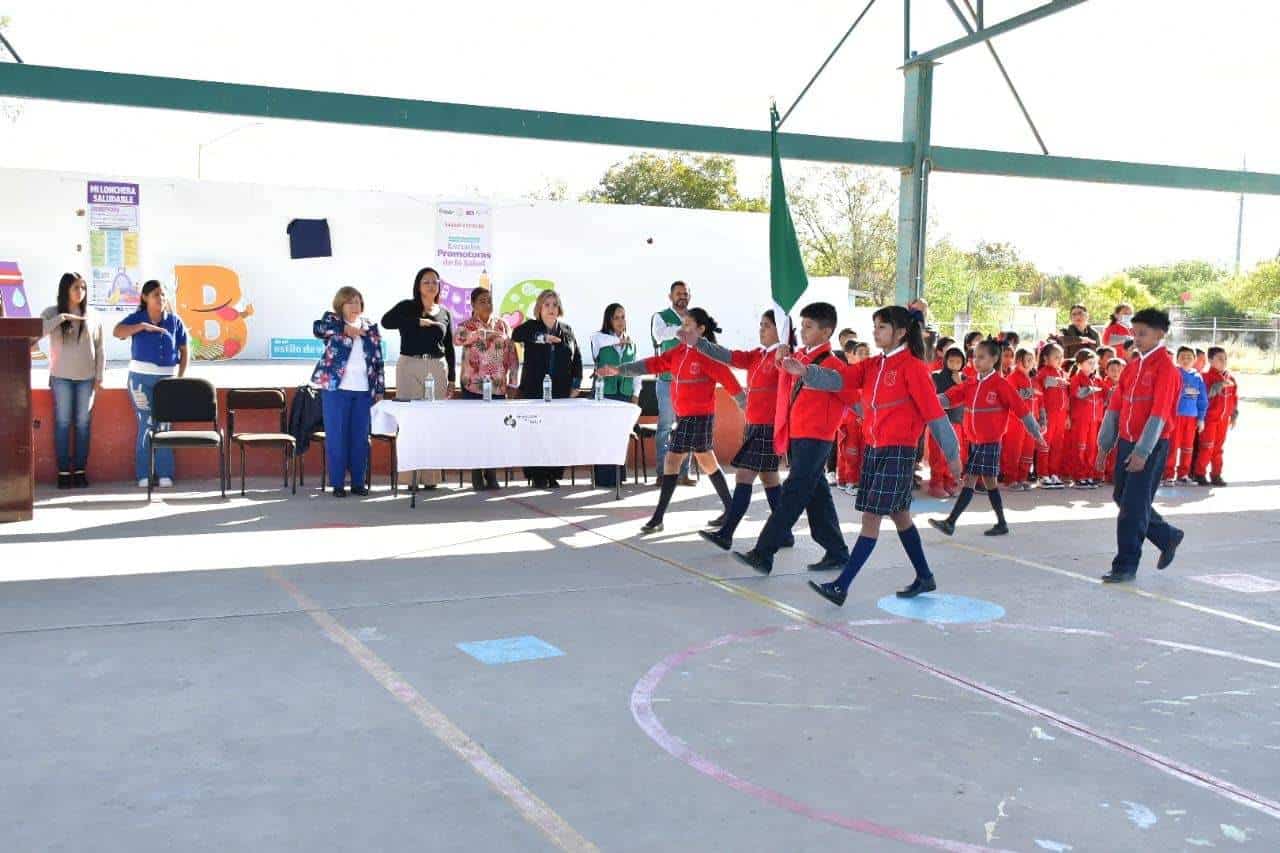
x,y
1053,385
1220,417
757,456
1140,416
1110,382
901,403
1017,451
941,483
987,401
1087,400
849,436
694,377
812,397
1120,333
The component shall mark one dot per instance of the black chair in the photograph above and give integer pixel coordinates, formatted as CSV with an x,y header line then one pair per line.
x,y
185,400
648,400
263,400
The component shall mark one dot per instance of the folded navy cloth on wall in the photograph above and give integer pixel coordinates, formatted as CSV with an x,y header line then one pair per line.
x,y
309,238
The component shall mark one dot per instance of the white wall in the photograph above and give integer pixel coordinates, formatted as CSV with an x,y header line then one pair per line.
x,y
595,254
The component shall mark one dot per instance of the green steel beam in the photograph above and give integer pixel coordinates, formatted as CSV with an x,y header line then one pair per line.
x,y
986,33
134,90
1009,164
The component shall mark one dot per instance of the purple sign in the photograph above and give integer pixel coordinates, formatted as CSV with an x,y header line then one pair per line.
x,y
107,192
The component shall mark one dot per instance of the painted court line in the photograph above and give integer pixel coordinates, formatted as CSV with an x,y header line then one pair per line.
x,y
530,807
1129,588
1167,765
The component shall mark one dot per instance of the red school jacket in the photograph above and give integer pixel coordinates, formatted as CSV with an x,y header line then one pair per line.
x,y
1223,404
898,394
813,414
693,379
1089,409
762,382
1150,386
988,402
1055,398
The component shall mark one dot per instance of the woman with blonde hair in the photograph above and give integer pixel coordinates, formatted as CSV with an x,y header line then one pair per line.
x,y
550,349
351,379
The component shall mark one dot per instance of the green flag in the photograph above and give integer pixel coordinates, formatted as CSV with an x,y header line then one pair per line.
x,y
787,277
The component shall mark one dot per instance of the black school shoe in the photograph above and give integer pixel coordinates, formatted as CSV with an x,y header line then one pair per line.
x,y
64,480
1167,555
651,527
1218,481
715,537
1118,577
997,530
339,492
715,523
832,592
361,491
916,587
946,525
789,542
755,560
79,480
828,562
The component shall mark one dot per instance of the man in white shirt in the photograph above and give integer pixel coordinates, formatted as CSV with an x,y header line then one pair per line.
x,y
662,331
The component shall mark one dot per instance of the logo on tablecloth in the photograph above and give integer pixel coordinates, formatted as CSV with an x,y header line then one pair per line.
x,y
510,421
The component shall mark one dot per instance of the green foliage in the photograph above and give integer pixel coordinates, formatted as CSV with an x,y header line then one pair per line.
x,y
978,282
845,225
1258,292
1173,284
677,180
1102,297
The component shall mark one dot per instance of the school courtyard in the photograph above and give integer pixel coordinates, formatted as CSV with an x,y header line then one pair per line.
x,y
521,670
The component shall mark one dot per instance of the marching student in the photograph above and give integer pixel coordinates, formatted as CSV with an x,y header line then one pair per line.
x,y
694,377
757,456
941,482
1087,398
987,403
1140,416
1220,417
901,403
1017,451
1193,405
1052,384
812,395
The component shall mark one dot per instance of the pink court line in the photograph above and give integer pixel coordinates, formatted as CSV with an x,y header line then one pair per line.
x,y
530,807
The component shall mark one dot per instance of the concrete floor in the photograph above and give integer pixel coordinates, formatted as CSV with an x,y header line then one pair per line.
x,y
276,673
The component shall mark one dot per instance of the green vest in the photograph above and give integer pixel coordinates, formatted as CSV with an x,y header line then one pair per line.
x,y
671,318
619,385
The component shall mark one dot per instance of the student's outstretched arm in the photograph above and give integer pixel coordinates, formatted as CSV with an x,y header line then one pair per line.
x,y
719,353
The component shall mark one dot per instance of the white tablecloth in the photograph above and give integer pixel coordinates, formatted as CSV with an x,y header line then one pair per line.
x,y
455,434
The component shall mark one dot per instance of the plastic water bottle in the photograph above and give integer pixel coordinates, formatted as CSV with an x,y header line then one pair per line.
x,y
599,389
431,388
546,388
488,388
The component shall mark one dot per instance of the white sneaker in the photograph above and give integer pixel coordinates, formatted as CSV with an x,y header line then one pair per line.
x,y
142,484
1051,483
166,482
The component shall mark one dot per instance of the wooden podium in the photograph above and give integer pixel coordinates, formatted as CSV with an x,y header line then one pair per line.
x,y
17,453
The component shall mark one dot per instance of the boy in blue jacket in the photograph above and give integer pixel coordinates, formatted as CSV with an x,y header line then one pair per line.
x,y
1193,403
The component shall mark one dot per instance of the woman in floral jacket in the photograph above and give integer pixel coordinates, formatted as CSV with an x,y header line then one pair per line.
x,y
487,352
351,380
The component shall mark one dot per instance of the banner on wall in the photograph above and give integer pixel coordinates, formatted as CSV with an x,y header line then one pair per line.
x,y
113,246
464,253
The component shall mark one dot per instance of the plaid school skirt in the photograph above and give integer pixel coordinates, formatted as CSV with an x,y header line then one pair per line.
x,y
984,460
693,434
756,453
887,479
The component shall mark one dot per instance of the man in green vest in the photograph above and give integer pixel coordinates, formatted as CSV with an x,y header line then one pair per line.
x,y
663,333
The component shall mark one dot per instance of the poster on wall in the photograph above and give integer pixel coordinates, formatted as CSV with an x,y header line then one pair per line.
x,y
464,253
113,246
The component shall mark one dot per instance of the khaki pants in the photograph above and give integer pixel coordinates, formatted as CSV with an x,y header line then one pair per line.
x,y
411,384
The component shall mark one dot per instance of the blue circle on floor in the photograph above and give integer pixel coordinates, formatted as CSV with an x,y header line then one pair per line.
x,y
942,608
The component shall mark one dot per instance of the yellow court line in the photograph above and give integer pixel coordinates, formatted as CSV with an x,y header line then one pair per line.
x,y
530,807
1129,588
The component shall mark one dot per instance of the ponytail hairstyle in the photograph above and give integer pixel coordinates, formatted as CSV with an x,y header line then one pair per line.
x,y
991,346
970,339
791,328
1023,355
147,288
707,322
1084,354
64,302
898,317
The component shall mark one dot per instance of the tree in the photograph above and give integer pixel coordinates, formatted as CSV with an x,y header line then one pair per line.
x,y
977,282
1259,291
1177,284
556,190
845,224
1103,296
677,180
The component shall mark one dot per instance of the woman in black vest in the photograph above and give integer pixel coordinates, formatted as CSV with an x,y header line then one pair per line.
x,y
550,349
